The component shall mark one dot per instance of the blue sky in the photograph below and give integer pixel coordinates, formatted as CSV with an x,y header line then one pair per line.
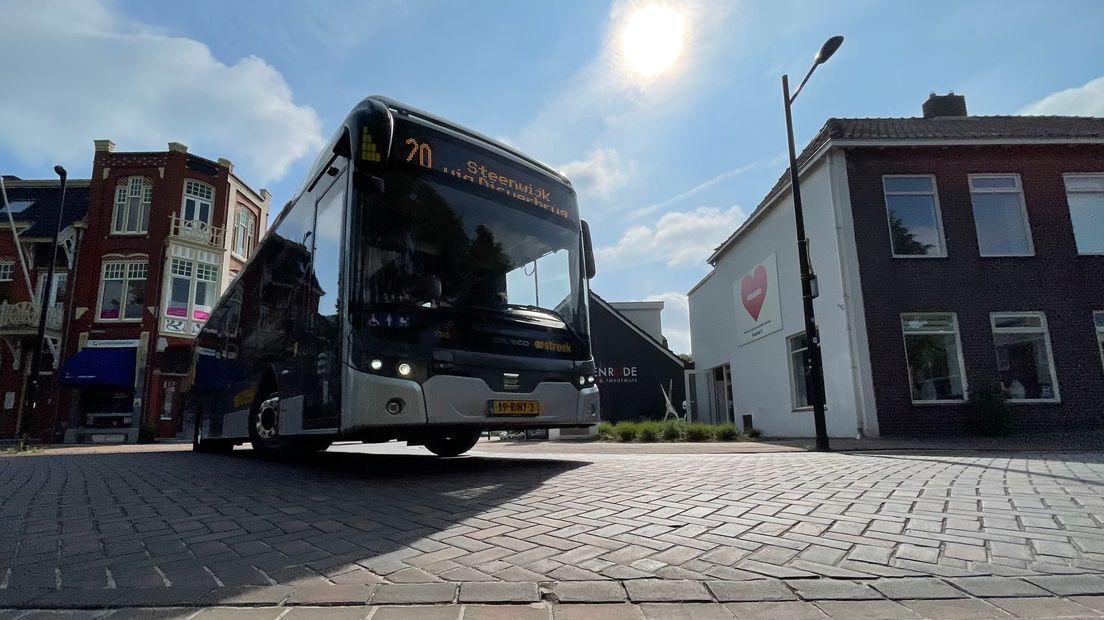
x,y
665,167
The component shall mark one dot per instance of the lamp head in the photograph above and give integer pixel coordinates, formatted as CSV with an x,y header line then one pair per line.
x,y
830,46
61,171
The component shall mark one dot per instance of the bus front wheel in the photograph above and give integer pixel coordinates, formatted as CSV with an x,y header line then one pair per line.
x,y
264,427
208,446
452,443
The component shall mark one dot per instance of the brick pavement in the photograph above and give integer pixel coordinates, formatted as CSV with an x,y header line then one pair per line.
x,y
346,527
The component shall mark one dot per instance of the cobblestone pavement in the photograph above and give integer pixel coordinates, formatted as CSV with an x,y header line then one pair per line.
x,y
812,532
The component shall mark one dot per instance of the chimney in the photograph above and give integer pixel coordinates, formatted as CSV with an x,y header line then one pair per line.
x,y
226,163
941,106
104,145
178,147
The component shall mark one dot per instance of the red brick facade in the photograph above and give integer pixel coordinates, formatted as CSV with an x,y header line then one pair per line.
x,y
1058,281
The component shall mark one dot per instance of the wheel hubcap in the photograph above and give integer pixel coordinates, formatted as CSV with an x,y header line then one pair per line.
x,y
268,419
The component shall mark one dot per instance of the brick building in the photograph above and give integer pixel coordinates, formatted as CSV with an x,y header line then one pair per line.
x,y
165,232
952,251
22,278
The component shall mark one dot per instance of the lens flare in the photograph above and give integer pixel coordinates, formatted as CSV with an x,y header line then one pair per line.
x,y
652,39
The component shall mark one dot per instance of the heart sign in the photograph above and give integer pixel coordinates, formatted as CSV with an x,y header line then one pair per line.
x,y
753,291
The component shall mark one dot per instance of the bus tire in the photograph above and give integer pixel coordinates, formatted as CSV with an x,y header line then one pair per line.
x,y
264,427
208,446
452,443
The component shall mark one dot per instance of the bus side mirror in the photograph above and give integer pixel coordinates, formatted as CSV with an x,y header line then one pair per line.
x,y
588,252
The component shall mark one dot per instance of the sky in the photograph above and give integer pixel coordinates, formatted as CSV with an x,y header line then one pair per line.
x,y
666,114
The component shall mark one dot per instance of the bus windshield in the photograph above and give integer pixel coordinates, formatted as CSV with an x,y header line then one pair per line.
x,y
432,250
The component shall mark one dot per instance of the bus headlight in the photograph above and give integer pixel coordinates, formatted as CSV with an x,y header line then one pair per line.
x,y
376,364
582,380
590,379
405,369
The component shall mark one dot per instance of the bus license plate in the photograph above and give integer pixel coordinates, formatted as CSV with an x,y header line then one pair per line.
x,y
513,407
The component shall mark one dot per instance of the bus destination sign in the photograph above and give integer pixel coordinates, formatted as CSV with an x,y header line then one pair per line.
x,y
426,148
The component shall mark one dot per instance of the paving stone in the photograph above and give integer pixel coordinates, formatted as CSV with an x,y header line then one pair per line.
x,y
354,612
833,590
499,592
866,610
595,612
787,610
990,587
916,588
348,594
1043,607
758,590
1070,585
506,612
589,592
413,612
685,611
247,595
408,594
236,613
664,591
954,609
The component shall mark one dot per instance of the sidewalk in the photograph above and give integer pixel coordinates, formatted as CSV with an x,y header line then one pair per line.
x,y
1051,596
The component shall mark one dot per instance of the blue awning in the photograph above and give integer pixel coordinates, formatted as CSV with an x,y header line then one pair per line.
x,y
113,367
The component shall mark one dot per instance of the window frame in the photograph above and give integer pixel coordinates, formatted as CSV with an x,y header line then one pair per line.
x,y
199,201
193,277
147,190
794,391
1044,327
7,271
1065,177
1099,331
127,261
1019,190
959,356
938,213
250,237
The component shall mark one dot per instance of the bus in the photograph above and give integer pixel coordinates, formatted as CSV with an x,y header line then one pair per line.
x,y
426,284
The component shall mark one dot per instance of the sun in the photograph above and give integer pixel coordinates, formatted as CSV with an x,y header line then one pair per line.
x,y
652,38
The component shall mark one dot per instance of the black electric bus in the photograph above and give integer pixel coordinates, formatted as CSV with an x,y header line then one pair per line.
x,y
425,284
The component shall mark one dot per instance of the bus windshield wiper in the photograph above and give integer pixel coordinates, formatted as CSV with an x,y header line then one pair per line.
x,y
549,312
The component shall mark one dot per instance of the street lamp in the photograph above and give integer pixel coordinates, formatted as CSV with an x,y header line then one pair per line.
x,y
30,397
814,374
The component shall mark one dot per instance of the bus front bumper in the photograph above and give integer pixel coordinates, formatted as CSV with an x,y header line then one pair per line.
x,y
445,400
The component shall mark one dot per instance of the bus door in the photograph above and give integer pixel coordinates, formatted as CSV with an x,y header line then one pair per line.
x,y
321,358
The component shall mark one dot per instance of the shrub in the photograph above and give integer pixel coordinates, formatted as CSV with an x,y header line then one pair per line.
x,y
625,431
696,431
753,433
648,431
671,430
605,431
726,432
987,410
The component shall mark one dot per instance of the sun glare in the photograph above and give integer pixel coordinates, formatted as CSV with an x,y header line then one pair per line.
x,y
652,39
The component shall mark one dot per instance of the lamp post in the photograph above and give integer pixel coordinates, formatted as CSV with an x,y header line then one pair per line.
x,y
32,388
814,373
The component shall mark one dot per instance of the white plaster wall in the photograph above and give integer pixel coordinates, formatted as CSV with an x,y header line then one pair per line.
x,y
760,370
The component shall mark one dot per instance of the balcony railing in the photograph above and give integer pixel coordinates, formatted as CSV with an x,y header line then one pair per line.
x,y
196,231
23,316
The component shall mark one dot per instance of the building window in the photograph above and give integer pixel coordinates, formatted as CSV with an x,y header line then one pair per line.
x,y
798,348
191,290
1000,215
132,206
197,202
934,356
123,290
1024,358
7,272
58,287
245,227
915,226
1098,319
1085,195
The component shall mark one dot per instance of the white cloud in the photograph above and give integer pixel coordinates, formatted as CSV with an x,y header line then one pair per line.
x,y
599,173
676,319
678,238
1085,100
97,74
